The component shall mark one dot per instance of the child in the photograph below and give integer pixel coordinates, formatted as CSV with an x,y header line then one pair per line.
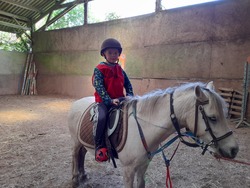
x,y
109,80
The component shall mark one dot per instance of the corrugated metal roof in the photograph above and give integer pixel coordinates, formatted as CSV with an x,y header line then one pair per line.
x,y
18,16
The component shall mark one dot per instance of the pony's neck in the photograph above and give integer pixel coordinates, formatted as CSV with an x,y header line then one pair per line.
x,y
154,118
184,107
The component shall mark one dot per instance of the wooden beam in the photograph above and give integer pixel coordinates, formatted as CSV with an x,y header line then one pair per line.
x,y
48,11
158,6
14,25
59,5
24,31
65,5
85,13
10,20
21,5
69,8
14,16
57,17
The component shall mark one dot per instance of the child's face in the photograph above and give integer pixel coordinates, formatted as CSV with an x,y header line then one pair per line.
x,y
111,54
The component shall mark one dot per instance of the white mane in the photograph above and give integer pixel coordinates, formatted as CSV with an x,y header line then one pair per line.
x,y
150,99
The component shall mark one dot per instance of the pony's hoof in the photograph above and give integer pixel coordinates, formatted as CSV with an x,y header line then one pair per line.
x,y
75,182
83,177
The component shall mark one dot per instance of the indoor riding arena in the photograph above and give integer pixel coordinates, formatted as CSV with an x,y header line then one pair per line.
x,y
165,48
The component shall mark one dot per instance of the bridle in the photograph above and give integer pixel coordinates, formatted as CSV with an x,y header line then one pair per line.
x,y
199,107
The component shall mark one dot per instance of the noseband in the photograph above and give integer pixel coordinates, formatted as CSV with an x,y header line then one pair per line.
x,y
199,107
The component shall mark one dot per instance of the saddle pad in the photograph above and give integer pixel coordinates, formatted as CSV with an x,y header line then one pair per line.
x,y
85,131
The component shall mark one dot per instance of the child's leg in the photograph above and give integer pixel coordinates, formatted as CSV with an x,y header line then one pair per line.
x,y
101,124
101,151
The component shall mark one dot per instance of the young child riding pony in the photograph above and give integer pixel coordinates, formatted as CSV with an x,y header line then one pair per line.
x,y
109,81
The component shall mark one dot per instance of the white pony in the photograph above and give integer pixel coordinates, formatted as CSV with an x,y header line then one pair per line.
x,y
195,106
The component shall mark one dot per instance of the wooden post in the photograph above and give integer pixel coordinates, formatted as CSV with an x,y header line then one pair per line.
x,y
246,82
158,6
26,73
86,12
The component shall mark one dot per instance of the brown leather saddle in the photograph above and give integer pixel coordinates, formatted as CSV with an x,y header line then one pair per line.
x,y
116,128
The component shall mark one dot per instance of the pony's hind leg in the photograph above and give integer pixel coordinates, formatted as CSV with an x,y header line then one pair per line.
x,y
81,159
78,157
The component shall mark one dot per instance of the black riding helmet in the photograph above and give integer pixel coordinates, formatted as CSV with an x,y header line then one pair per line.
x,y
110,43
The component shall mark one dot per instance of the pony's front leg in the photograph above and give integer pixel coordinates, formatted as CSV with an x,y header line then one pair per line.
x,y
140,175
128,176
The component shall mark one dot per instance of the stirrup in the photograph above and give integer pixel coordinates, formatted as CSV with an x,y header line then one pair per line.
x,y
101,155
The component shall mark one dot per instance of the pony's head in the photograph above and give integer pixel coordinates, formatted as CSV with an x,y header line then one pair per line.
x,y
210,123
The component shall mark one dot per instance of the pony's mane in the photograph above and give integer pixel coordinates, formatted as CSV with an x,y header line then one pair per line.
x,y
150,99
155,94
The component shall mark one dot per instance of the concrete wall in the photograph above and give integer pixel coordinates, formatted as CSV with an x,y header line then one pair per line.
x,y
197,43
11,72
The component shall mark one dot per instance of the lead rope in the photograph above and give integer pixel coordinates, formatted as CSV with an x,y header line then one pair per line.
x,y
167,163
230,160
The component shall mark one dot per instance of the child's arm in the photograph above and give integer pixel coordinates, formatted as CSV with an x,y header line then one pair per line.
x,y
99,87
127,85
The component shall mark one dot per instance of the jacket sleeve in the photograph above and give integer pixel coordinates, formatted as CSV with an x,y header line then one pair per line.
x,y
99,86
127,85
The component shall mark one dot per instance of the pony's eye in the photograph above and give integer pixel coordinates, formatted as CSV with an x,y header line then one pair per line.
x,y
212,119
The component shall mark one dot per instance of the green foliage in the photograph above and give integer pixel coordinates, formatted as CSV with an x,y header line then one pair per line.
x,y
111,16
75,17
72,18
12,42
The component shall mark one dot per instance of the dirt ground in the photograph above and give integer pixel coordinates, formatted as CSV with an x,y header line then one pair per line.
x,y
35,151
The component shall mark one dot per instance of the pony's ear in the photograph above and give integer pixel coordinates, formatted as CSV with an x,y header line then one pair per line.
x,y
210,85
200,94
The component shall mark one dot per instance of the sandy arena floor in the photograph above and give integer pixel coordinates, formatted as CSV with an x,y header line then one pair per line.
x,y
35,151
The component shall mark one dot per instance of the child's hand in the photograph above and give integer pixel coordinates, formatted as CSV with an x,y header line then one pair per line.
x,y
115,102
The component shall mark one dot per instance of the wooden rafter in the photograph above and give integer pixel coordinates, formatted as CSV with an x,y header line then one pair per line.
x,y
58,3
14,25
21,5
24,31
14,16
10,20
69,6
18,23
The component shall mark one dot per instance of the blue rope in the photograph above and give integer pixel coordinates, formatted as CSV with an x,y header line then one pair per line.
x,y
187,134
164,146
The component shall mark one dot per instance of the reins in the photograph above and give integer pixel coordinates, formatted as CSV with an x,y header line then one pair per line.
x,y
231,160
141,132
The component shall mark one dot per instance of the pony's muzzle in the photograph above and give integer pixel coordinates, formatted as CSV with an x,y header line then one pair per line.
x,y
229,154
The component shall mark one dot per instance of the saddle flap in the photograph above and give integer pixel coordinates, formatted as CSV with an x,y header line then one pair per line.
x,y
113,120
